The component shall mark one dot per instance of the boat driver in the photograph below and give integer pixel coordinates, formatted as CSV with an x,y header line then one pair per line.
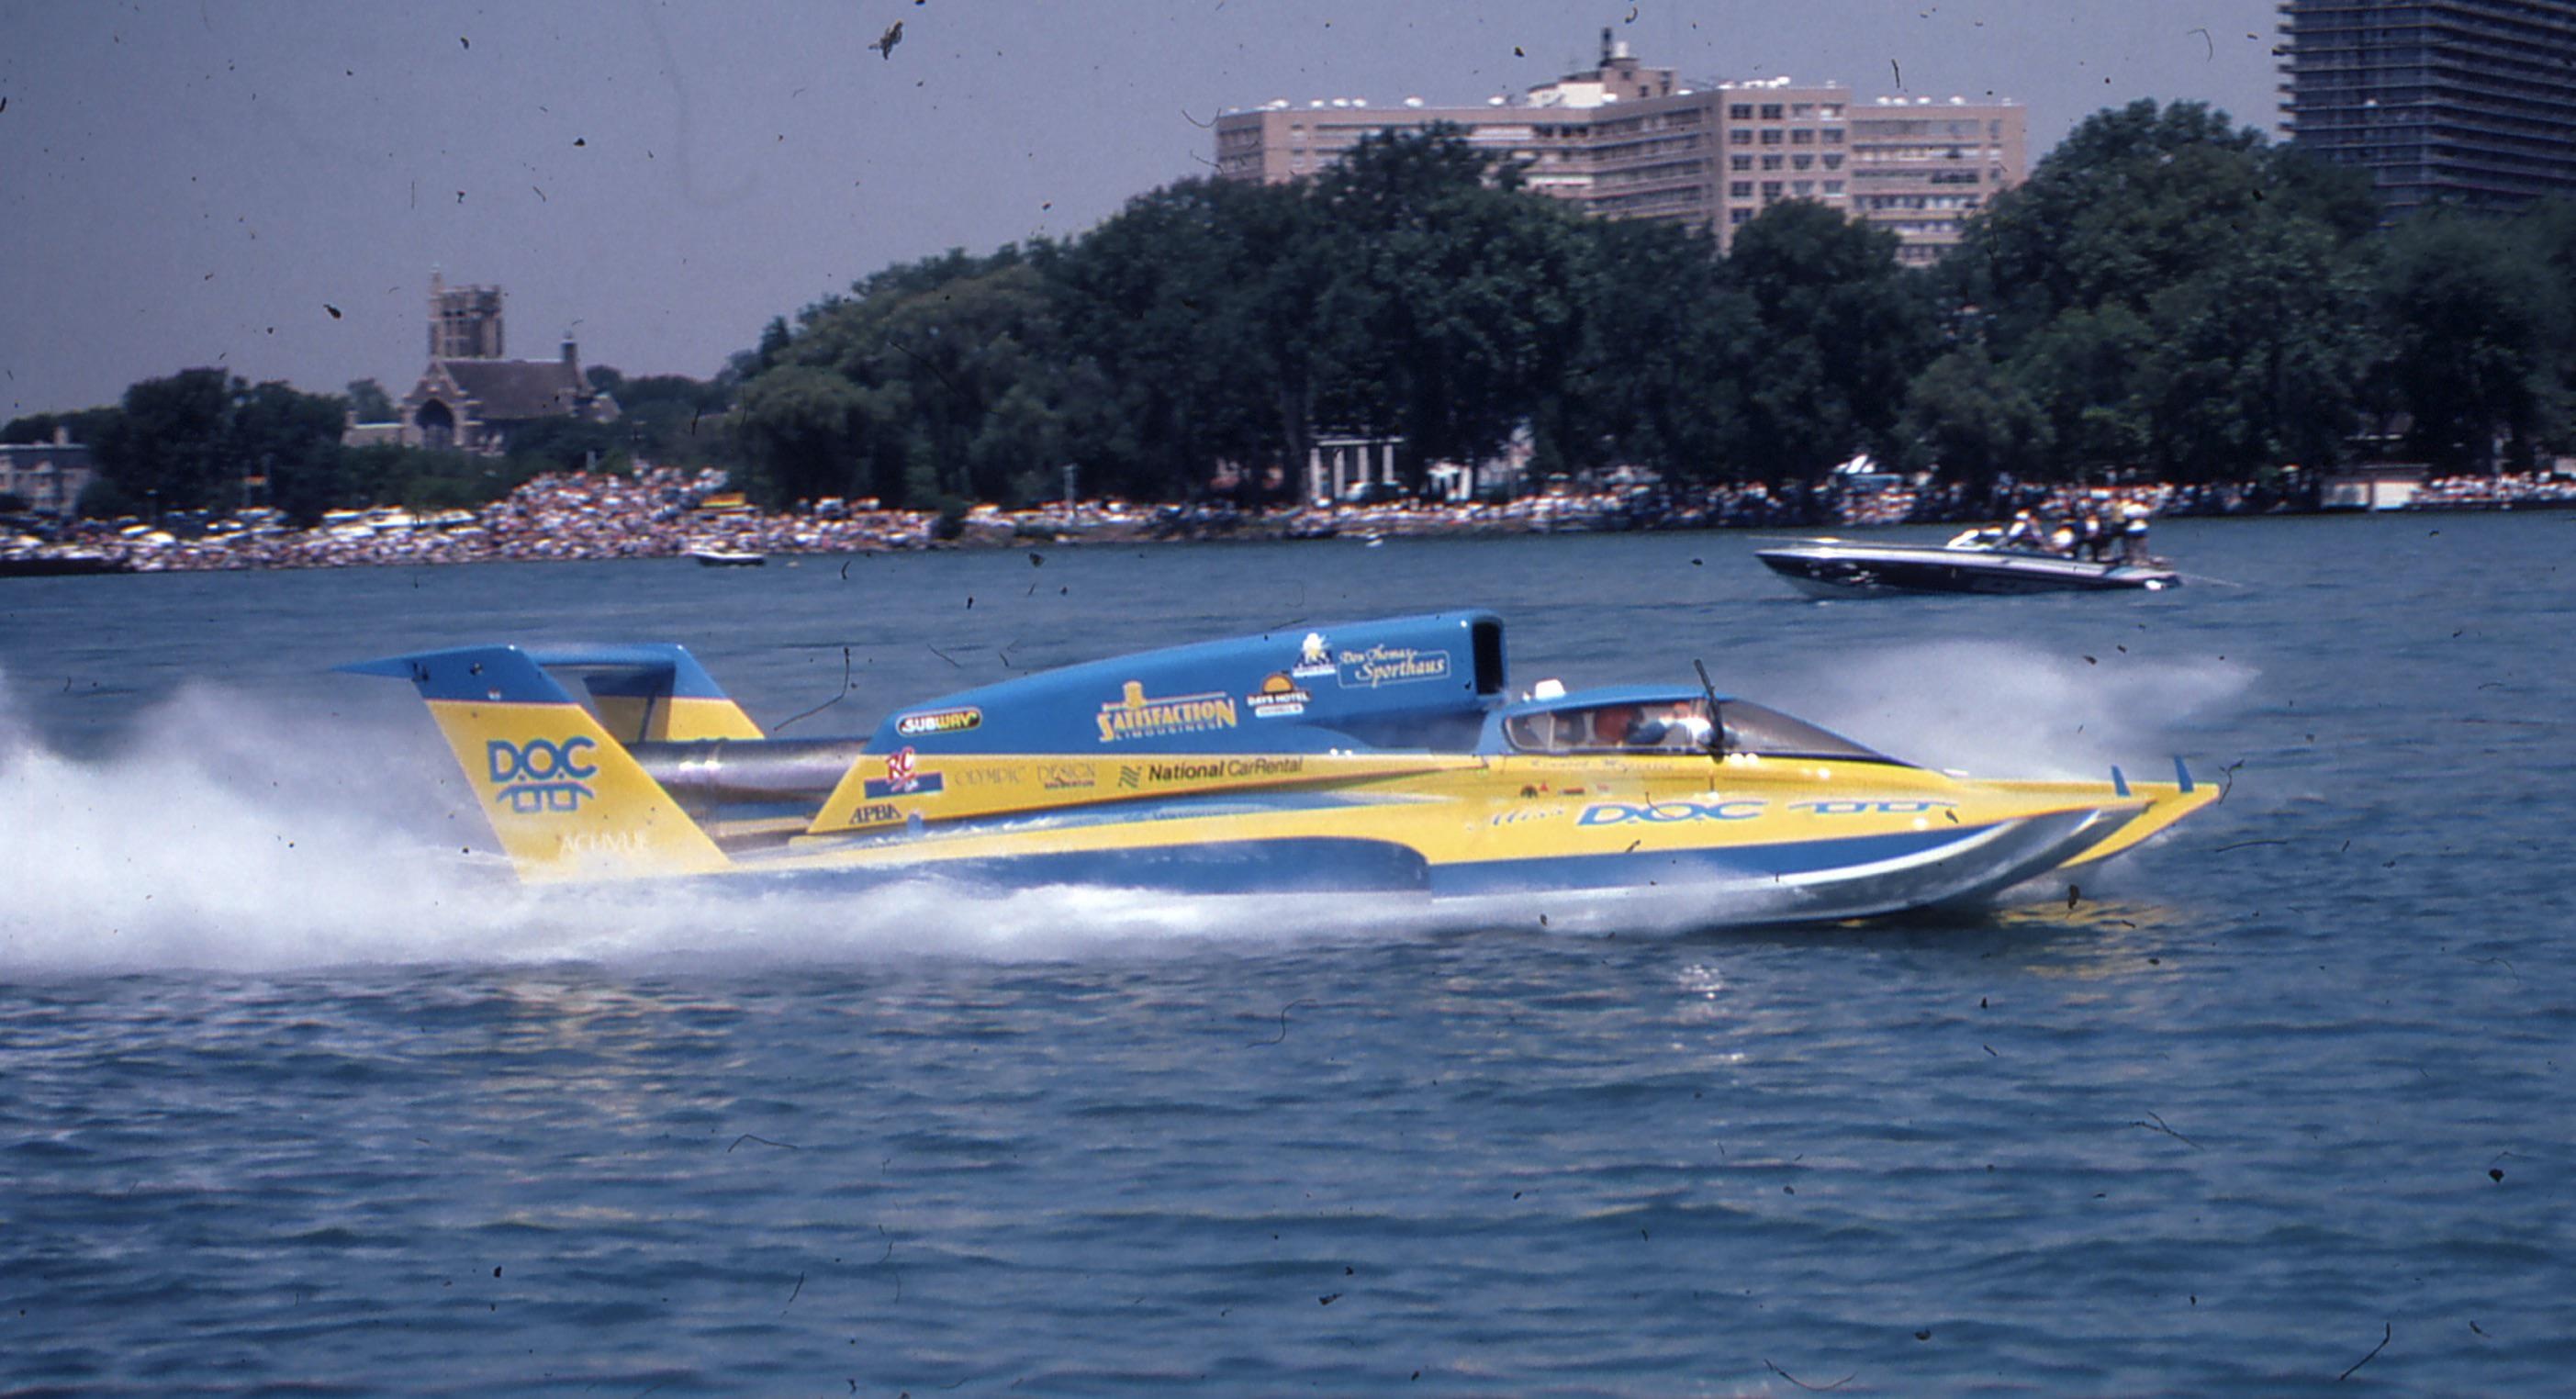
x,y
1614,726
1676,726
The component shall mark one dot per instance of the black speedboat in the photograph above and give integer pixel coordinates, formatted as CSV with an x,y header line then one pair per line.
x,y
1974,562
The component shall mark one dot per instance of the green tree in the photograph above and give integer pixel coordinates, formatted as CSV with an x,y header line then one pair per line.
x,y
84,425
1840,326
1190,303
199,440
957,386
1465,292
291,441
369,402
673,419
801,427
2174,294
1974,422
1668,348
168,448
2479,320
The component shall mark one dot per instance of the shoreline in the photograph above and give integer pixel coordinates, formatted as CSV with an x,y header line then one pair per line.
x,y
660,512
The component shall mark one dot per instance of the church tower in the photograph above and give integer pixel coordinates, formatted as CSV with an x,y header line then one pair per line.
x,y
464,322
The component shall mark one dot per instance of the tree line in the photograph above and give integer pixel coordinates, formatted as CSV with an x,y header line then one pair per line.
x,y
2166,296
202,440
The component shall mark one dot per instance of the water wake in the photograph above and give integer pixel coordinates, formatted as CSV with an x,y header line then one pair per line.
x,y
217,841
2001,709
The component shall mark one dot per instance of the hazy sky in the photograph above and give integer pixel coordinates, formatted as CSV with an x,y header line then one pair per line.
x,y
202,182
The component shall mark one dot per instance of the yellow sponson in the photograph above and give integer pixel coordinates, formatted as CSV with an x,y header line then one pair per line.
x,y
566,799
2167,802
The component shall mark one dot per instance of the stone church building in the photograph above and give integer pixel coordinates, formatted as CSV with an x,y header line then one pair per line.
x,y
470,399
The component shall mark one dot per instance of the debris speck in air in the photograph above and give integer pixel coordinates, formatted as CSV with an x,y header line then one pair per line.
x,y
1816,1388
1283,1022
2386,1330
885,42
2158,1124
836,699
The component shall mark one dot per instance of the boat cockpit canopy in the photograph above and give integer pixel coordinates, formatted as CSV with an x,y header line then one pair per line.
x,y
1649,721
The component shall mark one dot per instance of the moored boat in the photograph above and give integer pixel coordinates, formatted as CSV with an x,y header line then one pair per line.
x,y
1973,562
1383,757
58,563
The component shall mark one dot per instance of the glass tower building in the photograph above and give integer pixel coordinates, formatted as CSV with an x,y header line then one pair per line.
x,y
2468,103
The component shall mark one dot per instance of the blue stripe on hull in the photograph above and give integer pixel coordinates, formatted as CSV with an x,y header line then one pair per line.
x,y
1297,866
1334,865
1733,864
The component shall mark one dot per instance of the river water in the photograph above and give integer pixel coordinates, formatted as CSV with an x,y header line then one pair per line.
x,y
298,1094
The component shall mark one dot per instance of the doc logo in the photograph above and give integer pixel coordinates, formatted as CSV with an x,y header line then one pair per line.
x,y
541,775
1668,812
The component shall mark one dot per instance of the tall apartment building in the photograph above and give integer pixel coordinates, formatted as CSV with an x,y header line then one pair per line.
x,y
2446,102
1627,141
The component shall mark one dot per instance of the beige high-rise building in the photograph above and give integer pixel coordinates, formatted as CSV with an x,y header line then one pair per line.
x,y
1628,141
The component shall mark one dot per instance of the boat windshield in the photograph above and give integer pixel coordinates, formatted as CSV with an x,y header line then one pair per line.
x,y
1679,726
1750,728
1676,727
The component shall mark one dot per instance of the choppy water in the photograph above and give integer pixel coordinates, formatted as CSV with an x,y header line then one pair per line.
x,y
298,1097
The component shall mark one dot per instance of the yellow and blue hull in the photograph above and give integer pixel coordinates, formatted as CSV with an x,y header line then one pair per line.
x,y
1154,777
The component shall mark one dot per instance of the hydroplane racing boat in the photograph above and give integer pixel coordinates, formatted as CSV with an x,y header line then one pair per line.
x,y
1384,757
1974,562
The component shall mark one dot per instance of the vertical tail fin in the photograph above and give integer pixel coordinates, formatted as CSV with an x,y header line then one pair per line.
x,y
562,792
652,693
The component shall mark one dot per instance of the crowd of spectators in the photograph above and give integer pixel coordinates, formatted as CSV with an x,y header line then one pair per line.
x,y
2503,492
661,512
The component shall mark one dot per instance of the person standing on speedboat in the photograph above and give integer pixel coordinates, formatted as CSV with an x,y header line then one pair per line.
x,y
2091,539
2133,531
2023,534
